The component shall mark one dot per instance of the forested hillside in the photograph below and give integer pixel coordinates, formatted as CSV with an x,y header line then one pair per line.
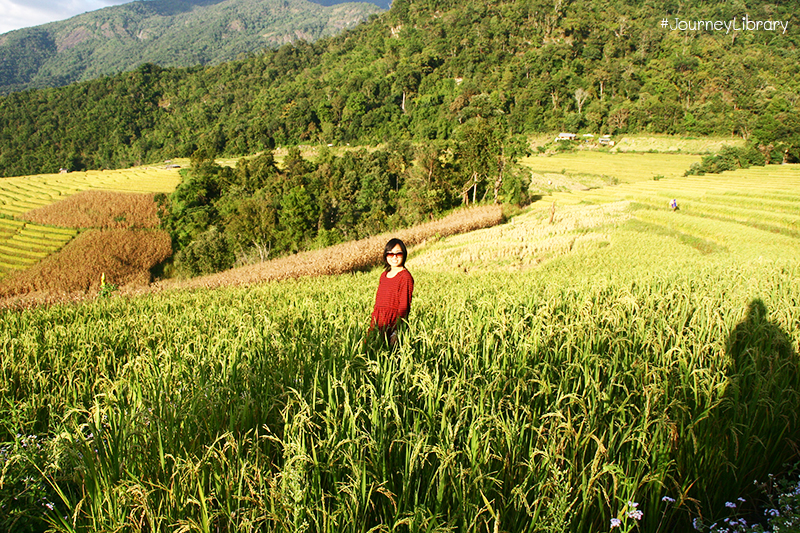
x,y
427,67
165,32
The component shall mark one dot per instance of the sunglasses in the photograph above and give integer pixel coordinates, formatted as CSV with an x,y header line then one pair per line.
x,y
393,254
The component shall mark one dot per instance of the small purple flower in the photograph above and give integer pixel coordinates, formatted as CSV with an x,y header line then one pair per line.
x,y
635,514
668,499
615,522
730,505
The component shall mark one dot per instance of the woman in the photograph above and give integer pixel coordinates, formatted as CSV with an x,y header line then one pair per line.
x,y
396,286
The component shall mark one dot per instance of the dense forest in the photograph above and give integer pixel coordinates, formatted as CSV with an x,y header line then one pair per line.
x,y
423,69
221,216
169,33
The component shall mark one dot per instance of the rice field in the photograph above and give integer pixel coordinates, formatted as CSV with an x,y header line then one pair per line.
x,y
23,243
555,371
765,198
750,214
584,170
673,144
122,257
99,209
21,194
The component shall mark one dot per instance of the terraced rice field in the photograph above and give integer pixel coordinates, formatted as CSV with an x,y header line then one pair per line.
x,y
590,170
609,364
765,198
19,195
619,364
751,214
22,244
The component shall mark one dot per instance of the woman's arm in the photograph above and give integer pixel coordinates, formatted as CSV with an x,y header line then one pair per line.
x,y
404,298
373,321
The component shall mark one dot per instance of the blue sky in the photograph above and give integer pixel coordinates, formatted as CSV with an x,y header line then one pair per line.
x,y
15,14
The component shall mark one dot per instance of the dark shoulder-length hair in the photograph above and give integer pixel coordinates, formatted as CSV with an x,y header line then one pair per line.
x,y
388,248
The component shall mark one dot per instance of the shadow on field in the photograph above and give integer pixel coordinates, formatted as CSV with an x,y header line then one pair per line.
x,y
757,429
757,341
762,365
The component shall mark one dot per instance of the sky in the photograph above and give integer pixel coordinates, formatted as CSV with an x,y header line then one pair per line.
x,y
15,14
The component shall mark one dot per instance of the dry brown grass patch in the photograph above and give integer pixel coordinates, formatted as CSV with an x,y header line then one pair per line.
x,y
99,209
124,256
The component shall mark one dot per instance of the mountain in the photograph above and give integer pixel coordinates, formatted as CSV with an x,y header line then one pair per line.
x,y
166,33
427,70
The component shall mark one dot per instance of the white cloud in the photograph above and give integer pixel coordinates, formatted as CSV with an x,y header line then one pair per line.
x,y
15,14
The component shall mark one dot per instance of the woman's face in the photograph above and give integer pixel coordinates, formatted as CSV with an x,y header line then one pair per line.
x,y
395,256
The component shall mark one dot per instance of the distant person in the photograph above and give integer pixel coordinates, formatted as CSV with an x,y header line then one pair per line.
x,y
674,204
396,286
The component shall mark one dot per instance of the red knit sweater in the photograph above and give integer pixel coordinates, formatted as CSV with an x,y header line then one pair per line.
x,y
393,300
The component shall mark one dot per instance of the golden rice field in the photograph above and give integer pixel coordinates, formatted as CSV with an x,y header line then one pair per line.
x,y
611,360
585,170
652,143
23,243
99,209
750,214
672,144
21,194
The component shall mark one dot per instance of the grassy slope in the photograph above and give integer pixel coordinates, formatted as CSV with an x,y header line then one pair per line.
x,y
574,365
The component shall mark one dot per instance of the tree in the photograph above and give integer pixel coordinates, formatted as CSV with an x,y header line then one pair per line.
x,y
486,150
618,119
429,187
580,97
206,254
779,126
251,225
476,155
512,147
298,218
256,173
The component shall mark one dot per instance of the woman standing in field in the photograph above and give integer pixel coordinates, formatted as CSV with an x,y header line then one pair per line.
x,y
396,286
